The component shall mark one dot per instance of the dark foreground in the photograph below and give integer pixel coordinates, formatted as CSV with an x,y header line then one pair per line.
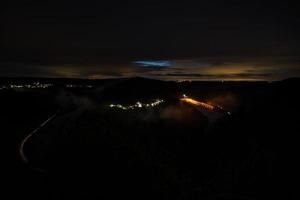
x,y
171,151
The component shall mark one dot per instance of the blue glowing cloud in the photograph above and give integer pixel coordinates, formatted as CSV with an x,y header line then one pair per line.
x,y
153,63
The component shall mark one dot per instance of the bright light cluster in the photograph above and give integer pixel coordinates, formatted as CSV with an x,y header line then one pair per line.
x,y
137,105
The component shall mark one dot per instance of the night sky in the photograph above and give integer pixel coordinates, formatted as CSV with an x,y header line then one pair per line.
x,y
204,40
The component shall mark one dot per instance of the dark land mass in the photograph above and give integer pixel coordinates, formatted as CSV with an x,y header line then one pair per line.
x,y
169,151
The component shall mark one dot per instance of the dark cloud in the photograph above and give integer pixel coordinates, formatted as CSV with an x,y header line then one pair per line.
x,y
242,76
95,39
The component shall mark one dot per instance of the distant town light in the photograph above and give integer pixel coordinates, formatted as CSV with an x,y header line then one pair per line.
x,y
137,105
34,85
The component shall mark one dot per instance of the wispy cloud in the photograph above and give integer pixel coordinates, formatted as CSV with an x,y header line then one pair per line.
x,y
153,63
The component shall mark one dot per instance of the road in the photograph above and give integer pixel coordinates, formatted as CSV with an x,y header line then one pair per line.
x,y
24,141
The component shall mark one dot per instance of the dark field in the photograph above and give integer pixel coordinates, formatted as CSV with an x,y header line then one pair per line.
x,y
91,150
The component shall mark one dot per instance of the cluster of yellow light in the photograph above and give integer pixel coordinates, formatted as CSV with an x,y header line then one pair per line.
x,y
137,105
197,103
